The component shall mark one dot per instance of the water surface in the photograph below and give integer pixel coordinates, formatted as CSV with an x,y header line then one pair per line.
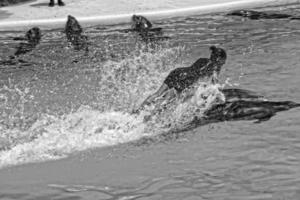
x,y
62,102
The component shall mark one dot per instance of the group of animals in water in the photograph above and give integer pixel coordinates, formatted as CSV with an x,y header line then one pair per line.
x,y
240,104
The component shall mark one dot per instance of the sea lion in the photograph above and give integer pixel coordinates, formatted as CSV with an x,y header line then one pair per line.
x,y
140,23
234,94
182,78
238,110
32,37
74,34
145,29
247,110
251,14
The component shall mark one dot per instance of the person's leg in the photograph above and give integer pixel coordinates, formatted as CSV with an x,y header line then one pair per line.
x,y
51,4
60,3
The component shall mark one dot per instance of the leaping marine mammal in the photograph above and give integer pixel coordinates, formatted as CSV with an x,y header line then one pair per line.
x,y
183,78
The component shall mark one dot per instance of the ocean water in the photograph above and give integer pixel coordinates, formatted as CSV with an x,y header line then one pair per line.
x,y
62,102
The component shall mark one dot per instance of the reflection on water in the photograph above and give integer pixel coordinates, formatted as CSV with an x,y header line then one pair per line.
x,y
42,115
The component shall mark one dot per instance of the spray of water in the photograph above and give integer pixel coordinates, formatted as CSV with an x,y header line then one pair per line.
x,y
96,99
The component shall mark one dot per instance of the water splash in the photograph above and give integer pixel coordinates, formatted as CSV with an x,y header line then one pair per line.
x,y
64,107
53,137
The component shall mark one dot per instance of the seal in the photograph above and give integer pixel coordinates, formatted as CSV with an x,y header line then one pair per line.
x,y
145,29
32,38
75,35
234,94
256,110
247,110
251,14
140,23
182,78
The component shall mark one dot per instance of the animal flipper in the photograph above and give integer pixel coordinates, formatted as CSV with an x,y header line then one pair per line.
x,y
266,118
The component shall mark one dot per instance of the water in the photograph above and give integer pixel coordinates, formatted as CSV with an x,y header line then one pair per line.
x,y
64,102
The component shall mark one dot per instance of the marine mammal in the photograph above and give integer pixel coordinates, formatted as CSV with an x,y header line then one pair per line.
x,y
140,23
32,37
145,29
251,14
75,35
234,94
238,110
247,110
182,78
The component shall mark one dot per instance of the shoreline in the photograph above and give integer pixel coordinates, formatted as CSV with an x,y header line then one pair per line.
x,y
6,3
57,21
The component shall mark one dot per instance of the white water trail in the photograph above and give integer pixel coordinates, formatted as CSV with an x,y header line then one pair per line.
x,y
52,138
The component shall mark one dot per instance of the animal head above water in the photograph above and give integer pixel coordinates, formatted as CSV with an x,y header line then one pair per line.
x,y
33,35
140,22
73,25
218,55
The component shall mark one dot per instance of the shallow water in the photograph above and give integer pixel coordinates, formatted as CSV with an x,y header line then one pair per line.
x,y
63,102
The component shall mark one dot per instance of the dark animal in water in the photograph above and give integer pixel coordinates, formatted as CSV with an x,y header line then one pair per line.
x,y
251,14
245,105
247,110
140,23
32,38
234,94
143,26
75,35
242,105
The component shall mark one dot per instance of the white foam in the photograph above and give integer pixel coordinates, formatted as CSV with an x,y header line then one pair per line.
x,y
54,138
84,129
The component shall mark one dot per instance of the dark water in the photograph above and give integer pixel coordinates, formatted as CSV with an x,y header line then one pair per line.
x,y
57,103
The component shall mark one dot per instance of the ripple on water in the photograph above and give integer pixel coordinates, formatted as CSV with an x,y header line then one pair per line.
x,y
237,160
